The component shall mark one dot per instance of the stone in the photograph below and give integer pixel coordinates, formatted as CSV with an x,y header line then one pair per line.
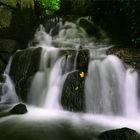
x,y
130,56
6,16
76,66
24,65
9,3
90,27
8,45
120,134
19,109
72,98
2,67
82,60
68,63
7,48
17,20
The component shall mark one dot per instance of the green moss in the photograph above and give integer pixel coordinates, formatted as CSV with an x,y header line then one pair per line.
x,y
11,3
5,16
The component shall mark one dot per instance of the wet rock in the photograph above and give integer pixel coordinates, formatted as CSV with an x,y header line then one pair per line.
x,y
130,56
82,60
17,20
19,109
120,134
8,3
5,16
90,27
73,92
75,60
2,67
76,66
68,63
8,45
93,30
24,65
7,48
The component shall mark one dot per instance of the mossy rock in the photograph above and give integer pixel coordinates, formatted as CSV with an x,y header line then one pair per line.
x,y
5,16
130,56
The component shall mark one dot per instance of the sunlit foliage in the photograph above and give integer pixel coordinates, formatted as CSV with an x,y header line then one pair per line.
x,y
50,6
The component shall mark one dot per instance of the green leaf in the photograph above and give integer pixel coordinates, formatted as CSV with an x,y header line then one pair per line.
x,y
50,6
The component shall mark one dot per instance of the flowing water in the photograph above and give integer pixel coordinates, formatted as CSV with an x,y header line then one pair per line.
x,y
111,88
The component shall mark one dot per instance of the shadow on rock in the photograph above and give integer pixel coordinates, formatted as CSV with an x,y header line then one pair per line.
x,y
120,134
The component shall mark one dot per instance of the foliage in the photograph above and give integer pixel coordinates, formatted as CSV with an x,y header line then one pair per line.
x,y
119,18
49,6
12,2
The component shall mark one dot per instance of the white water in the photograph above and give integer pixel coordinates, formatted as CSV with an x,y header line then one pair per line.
x,y
55,87
107,85
111,90
48,81
8,90
9,94
131,108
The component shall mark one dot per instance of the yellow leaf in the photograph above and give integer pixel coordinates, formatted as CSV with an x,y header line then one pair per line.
x,y
82,74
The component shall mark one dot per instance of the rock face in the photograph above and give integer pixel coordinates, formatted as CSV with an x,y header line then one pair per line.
x,y
17,19
73,90
94,30
130,56
7,48
17,25
23,67
82,60
119,134
19,109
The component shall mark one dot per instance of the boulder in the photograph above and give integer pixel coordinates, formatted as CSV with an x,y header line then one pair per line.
x,y
72,98
19,109
76,66
7,48
68,62
8,45
90,27
24,65
130,56
5,16
2,67
17,20
120,134
82,60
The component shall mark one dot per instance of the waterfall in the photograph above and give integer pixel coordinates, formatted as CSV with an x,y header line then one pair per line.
x,y
110,88
56,81
8,90
131,94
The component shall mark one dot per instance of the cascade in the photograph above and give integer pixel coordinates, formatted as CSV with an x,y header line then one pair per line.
x,y
8,90
110,88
